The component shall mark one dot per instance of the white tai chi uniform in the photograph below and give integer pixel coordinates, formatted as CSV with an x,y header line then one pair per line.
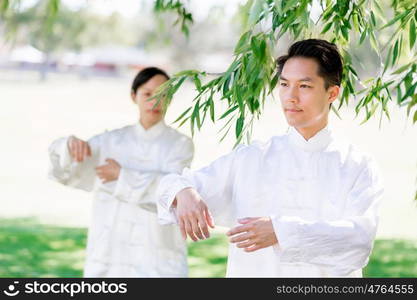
x,y
125,238
322,196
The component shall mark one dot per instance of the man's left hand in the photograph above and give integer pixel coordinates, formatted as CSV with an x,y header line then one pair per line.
x,y
254,234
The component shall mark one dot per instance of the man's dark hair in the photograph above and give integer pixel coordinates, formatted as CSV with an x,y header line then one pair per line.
x,y
145,75
324,53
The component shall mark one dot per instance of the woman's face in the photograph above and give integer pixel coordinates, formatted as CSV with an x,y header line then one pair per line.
x,y
149,113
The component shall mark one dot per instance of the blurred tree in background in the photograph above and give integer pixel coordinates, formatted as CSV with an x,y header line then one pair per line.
x,y
53,28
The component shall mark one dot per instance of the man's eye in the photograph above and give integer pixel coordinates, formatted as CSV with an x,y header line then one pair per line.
x,y
283,84
305,86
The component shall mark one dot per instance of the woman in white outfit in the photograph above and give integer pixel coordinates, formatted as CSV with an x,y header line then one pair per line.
x,y
122,168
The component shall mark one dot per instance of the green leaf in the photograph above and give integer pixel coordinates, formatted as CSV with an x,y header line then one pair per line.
x,y
363,36
289,5
411,104
398,17
238,97
355,22
336,112
395,52
389,94
374,42
399,94
186,73
224,126
400,49
328,12
387,60
229,111
412,33
183,121
352,70
243,42
410,92
380,12
345,32
415,117
373,19
182,115
211,103
373,109
273,83
226,85
177,85
255,47
197,82
198,116
195,116
262,48
239,125
402,69
327,27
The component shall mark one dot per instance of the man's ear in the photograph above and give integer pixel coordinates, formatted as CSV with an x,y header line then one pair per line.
x,y
133,96
333,93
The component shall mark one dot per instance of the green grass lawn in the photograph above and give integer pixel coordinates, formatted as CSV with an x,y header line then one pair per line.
x,y
30,249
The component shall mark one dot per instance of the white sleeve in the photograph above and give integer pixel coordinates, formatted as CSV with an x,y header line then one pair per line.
x,y
214,183
65,170
342,246
139,187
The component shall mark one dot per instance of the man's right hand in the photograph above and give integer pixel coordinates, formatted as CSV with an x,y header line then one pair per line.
x,y
78,149
193,215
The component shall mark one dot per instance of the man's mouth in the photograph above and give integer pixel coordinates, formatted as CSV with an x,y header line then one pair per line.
x,y
293,110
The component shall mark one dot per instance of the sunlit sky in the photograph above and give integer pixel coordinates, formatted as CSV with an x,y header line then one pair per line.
x,y
199,8
130,8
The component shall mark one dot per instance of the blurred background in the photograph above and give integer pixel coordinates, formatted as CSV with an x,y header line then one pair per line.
x,y
75,79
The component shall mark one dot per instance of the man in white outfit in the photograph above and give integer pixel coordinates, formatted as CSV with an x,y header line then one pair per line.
x,y
304,204
123,168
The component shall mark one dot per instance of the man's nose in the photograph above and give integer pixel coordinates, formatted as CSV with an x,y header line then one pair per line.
x,y
292,95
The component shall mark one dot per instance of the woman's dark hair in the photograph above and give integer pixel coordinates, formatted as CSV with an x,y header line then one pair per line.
x,y
324,53
143,76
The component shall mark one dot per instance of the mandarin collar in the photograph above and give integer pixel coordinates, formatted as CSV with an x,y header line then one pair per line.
x,y
316,143
152,132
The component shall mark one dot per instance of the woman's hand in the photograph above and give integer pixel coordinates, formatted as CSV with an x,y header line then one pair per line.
x,y
78,149
109,171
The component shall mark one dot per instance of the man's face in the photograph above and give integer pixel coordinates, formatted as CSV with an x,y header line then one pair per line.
x,y
146,91
303,95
